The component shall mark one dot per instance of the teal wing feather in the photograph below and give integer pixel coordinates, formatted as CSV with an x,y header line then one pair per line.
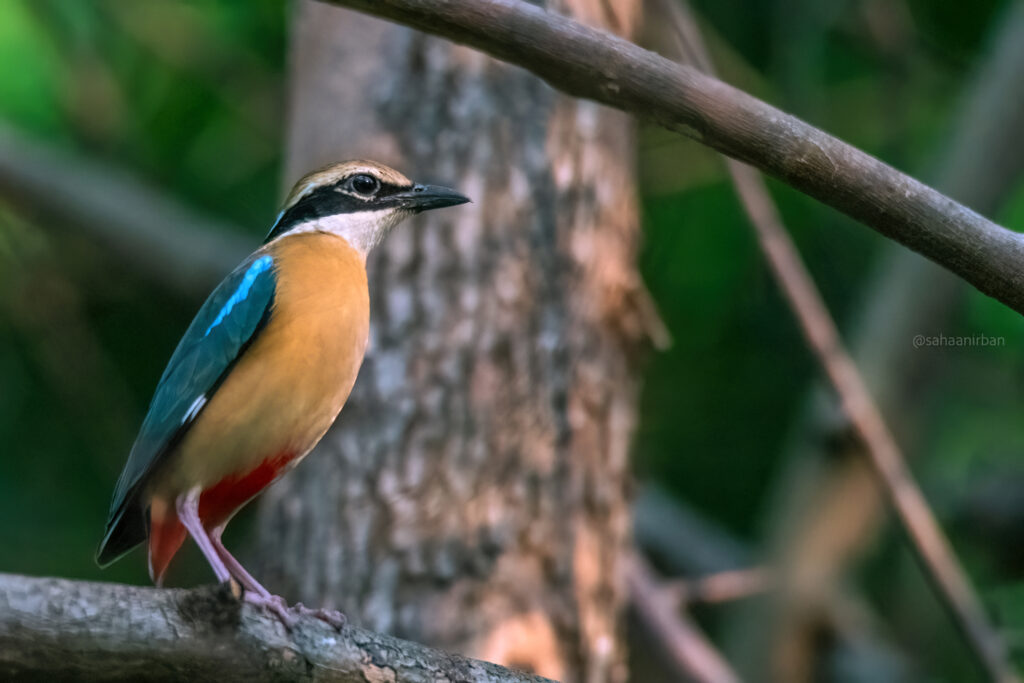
x,y
226,324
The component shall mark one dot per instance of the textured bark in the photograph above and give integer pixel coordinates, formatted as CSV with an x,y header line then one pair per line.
x,y
472,494
54,629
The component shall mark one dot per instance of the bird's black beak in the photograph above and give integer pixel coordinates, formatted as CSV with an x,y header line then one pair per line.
x,y
425,197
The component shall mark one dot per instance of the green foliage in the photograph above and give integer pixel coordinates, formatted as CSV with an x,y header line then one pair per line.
x,y
29,93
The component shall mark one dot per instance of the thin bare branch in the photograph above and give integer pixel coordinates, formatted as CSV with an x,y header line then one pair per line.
x,y
685,543
78,630
827,506
902,491
724,586
821,334
688,647
590,63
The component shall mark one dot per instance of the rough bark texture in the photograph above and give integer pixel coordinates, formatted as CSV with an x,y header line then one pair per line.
x,y
472,494
59,630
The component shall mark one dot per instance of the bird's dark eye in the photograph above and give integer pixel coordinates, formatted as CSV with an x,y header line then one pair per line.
x,y
365,184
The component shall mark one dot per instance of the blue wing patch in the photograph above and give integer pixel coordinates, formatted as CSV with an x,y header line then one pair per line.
x,y
241,294
225,325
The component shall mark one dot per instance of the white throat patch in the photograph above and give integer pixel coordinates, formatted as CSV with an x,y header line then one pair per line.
x,y
362,229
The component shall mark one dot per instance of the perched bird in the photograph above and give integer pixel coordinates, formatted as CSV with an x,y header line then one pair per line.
x,y
262,371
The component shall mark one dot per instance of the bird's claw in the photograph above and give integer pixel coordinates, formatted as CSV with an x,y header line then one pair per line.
x,y
289,616
331,616
275,604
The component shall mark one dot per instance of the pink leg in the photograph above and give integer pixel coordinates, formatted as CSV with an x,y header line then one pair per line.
x,y
188,513
258,595
234,566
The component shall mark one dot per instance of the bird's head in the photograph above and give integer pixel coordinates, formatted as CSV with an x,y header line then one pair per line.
x,y
358,200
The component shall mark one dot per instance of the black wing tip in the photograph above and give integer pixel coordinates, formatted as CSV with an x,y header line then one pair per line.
x,y
124,531
110,551
105,556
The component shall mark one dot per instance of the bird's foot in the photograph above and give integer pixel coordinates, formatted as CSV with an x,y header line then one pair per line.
x,y
331,616
275,604
289,616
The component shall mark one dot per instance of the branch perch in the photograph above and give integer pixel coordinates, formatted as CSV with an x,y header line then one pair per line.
x,y
596,65
78,630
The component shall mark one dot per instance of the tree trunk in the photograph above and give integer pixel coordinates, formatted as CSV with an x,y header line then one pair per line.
x,y
472,495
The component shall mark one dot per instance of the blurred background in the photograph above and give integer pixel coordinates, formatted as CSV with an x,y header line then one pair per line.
x,y
184,103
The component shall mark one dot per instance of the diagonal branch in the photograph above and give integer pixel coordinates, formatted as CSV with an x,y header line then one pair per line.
x,y
822,336
78,630
686,544
903,493
827,505
690,651
590,63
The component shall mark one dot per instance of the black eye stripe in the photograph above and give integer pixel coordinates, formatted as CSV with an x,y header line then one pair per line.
x,y
329,200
